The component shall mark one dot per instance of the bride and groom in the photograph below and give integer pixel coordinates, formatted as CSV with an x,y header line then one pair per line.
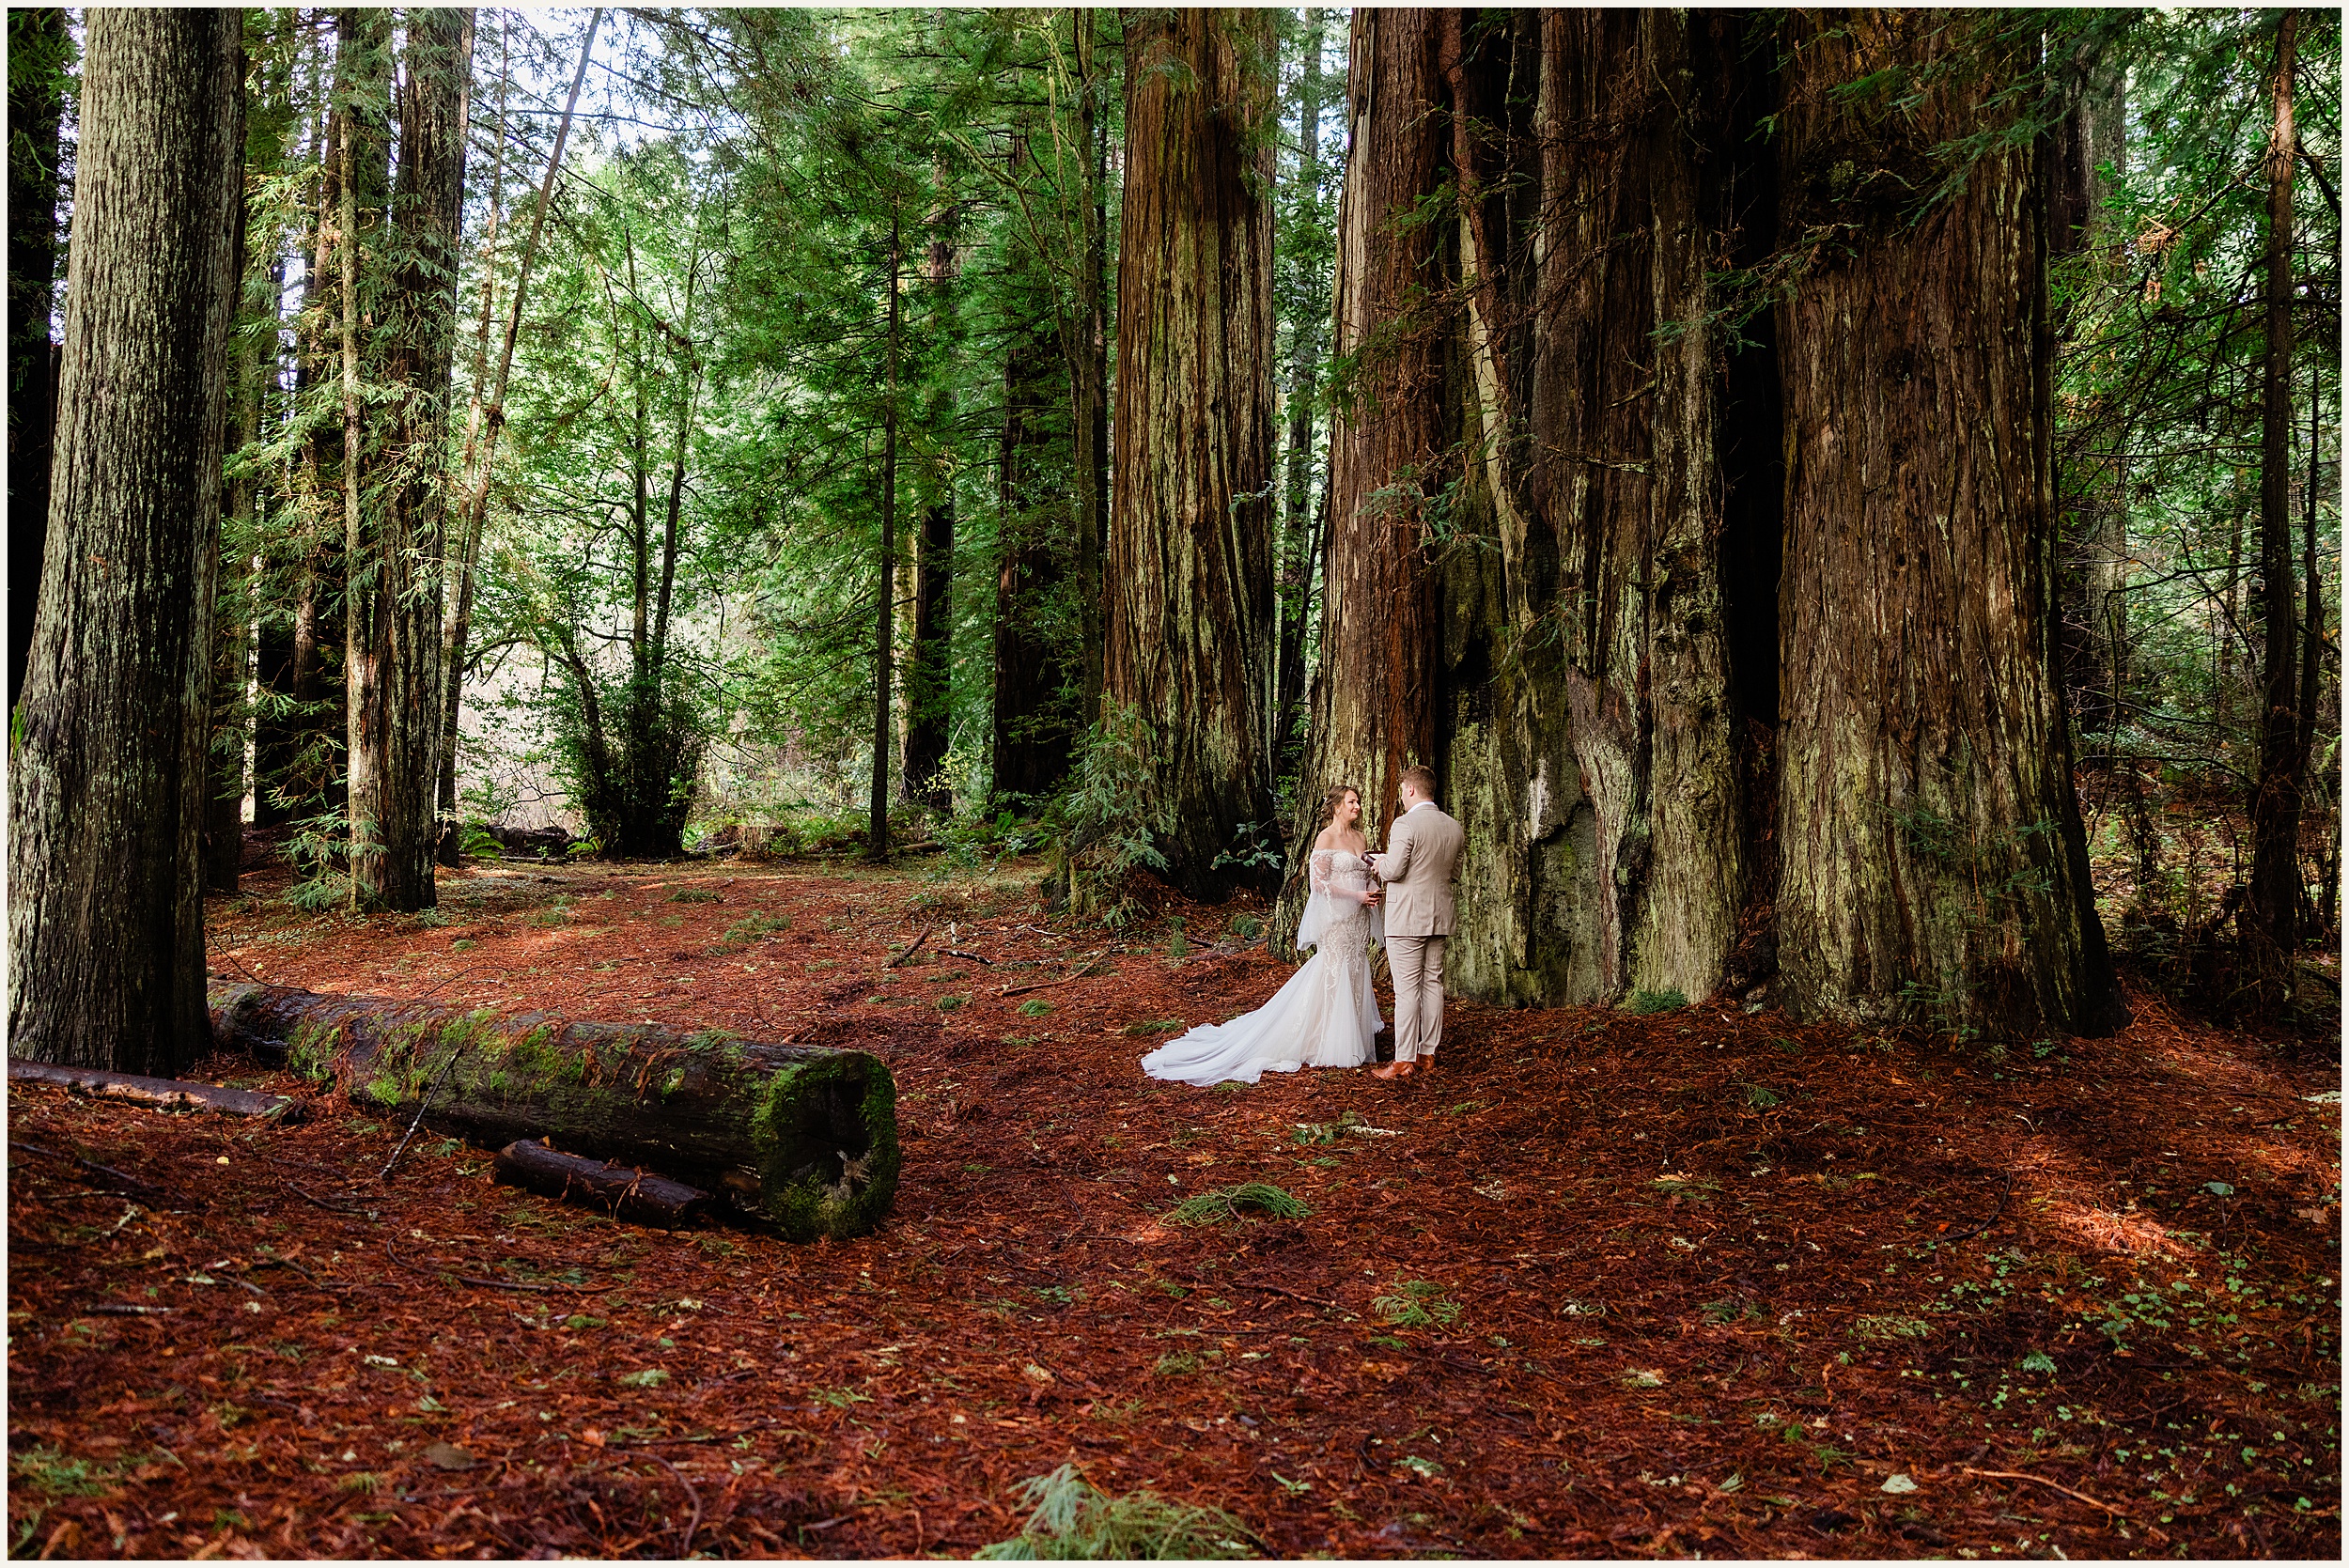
x,y
1327,1015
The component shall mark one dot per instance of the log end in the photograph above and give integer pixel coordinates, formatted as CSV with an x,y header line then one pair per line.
x,y
825,1135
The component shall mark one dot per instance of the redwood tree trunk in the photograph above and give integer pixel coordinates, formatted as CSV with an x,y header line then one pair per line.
x,y
930,718
1189,635
395,627
105,906
1935,869
2271,916
1375,697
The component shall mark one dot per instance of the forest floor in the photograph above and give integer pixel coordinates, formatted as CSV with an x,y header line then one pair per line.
x,y
1701,1280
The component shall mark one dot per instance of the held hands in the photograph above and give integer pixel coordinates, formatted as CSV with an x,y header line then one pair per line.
x,y
1371,898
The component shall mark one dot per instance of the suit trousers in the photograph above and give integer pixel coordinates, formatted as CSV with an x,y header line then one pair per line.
x,y
1417,964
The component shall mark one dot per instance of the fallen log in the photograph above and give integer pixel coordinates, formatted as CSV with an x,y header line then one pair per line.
x,y
804,1135
164,1093
626,1192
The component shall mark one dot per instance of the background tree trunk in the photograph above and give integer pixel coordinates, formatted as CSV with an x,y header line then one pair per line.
x,y
39,50
105,907
885,611
1192,505
1086,344
929,722
395,631
1033,734
1934,868
1375,699
2271,914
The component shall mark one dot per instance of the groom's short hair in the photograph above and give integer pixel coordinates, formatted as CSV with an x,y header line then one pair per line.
x,y
1421,779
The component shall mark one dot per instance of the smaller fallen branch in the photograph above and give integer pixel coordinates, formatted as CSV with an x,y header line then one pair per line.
x,y
1090,962
164,1094
2043,1480
913,949
2004,1193
974,957
422,1106
624,1191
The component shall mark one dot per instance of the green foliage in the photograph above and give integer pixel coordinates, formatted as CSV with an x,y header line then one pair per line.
x,y
1656,1002
1073,1520
1415,1304
1234,1203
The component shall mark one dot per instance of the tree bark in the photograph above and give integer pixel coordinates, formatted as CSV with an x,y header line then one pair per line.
x,y
2271,914
399,544
39,49
929,725
1940,875
1189,634
804,1136
1375,699
106,787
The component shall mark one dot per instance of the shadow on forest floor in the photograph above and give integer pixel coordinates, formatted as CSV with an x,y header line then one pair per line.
x,y
1611,1285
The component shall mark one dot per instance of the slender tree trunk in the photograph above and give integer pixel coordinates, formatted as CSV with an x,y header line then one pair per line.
x,y
38,47
223,802
2271,914
2312,790
928,724
1924,764
106,785
1033,736
885,612
479,462
449,850
1192,507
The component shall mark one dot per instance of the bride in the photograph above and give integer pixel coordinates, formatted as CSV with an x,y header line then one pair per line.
x,y
1327,1013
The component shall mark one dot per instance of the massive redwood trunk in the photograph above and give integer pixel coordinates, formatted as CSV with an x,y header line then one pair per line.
x,y
107,775
1568,566
1933,865
394,625
1191,508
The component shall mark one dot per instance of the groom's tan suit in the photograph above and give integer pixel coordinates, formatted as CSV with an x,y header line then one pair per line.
x,y
1423,851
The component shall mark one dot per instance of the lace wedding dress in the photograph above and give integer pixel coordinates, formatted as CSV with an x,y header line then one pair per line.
x,y
1326,1015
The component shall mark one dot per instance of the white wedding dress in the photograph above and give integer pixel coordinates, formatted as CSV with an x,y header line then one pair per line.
x,y
1327,1013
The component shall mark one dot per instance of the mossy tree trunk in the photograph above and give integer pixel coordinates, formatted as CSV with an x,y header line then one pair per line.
x,y
801,1135
107,777
1189,635
1935,870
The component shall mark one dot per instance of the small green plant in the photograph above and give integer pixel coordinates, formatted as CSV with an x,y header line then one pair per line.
x,y
1415,1304
1696,1190
55,1473
952,1004
1034,1007
1073,1520
1154,1026
650,1377
1656,1001
1246,927
1177,1364
1255,846
2040,1363
1178,946
1759,1097
1891,1328
756,926
1230,1202
693,895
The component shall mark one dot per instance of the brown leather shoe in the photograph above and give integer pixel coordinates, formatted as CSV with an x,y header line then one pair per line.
x,y
1392,1071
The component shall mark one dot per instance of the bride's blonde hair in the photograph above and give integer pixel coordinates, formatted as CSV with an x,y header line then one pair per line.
x,y
1329,804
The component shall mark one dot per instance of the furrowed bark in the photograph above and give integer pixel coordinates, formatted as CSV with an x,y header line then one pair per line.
x,y
802,1135
107,776
1374,698
1933,870
1189,638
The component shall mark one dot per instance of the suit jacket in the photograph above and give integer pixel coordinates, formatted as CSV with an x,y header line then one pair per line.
x,y
1423,852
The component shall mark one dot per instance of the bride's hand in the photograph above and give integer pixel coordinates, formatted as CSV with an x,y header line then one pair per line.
x,y
1369,899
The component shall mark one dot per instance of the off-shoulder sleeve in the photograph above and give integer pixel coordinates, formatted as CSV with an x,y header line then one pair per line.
x,y
1317,871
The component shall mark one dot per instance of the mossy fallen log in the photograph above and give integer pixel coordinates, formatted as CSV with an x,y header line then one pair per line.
x,y
804,1135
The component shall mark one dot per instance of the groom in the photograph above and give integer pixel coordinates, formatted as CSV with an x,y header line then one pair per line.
x,y
1423,850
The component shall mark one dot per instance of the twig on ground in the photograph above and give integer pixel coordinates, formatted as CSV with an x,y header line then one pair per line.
x,y
308,1196
2043,1480
913,948
1293,1294
479,1280
958,953
2004,1194
129,1181
1082,969
685,1546
422,1106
